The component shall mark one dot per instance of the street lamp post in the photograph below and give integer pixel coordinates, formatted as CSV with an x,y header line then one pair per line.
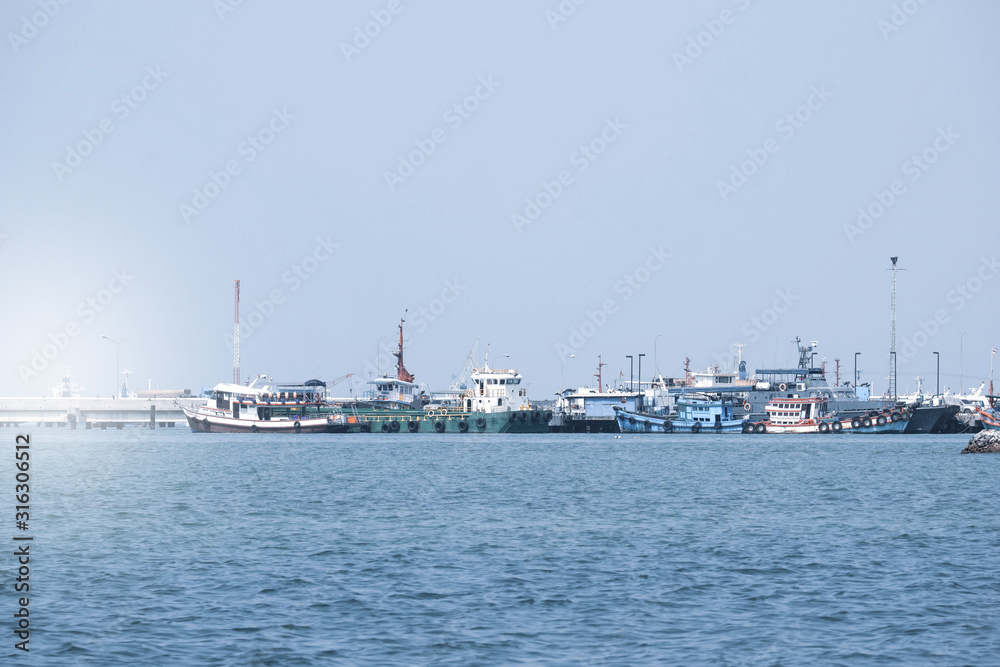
x,y
641,355
937,388
118,344
856,373
631,367
656,363
961,380
562,365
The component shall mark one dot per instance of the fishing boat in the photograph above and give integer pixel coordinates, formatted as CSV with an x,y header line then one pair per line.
x,y
989,419
811,414
266,408
495,402
695,413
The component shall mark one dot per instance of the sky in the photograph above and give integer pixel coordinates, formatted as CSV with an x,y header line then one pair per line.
x,y
549,178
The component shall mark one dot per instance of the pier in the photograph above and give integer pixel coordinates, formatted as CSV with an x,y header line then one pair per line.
x,y
94,412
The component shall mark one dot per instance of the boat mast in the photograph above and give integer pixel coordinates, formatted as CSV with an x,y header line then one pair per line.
x,y
600,383
401,372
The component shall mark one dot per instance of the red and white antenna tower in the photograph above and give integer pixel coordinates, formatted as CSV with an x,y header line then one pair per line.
x,y
236,337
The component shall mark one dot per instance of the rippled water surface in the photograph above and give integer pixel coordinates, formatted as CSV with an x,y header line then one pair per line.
x,y
171,547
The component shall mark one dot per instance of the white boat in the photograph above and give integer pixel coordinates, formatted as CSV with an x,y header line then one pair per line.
x,y
284,408
811,414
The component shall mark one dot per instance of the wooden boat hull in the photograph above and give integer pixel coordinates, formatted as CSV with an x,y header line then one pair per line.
x,y
201,422
638,422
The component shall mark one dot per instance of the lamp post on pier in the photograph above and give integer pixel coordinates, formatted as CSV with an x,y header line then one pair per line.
x,y
937,387
961,380
856,373
656,363
562,366
118,344
640,372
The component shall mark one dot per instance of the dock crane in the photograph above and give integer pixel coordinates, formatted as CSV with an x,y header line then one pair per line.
x,y
459,381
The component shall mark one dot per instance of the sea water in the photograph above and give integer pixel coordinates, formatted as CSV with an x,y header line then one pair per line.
x,y
168,547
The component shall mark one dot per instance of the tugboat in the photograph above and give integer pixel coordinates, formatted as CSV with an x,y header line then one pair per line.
x,y
283,408
494,403
695,413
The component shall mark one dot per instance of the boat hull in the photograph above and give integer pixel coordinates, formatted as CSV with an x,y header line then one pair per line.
x,y
638,422
201,422
827,426
448,421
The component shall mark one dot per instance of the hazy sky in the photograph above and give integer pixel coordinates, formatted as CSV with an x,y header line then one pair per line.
x,y
557,178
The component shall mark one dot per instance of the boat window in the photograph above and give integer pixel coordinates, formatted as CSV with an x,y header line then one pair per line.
x,y
502,381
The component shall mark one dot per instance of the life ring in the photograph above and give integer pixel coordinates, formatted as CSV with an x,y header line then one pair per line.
x,y
760,428
866,422
668,426
782,387
746,405
463,426
696,427
412,425
385,427
297,427
880,421
253,428
837,427
439,426
394,426
366,427
481,422
856,422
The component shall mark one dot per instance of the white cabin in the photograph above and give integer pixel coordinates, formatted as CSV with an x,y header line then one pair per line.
x,y
392,392
495,390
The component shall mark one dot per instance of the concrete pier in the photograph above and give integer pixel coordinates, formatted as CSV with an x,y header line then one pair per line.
x,y
94,412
